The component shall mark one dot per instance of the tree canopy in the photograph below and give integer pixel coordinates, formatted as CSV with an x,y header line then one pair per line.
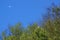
x,y
50,30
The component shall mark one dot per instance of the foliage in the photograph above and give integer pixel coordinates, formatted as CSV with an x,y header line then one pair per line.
x,y
50,30
52,26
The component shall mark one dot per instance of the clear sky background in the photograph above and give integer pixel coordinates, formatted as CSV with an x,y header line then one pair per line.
x,y
24,11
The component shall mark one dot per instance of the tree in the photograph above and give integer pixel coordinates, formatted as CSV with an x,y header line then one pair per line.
x,y
52,25
50,30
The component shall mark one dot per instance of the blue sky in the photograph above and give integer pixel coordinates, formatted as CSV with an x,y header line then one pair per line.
x,y
24,11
